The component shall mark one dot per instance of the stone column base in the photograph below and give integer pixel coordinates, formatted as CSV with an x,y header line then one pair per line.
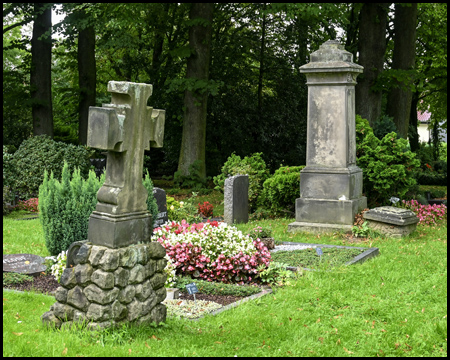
x,y
116,231
326,211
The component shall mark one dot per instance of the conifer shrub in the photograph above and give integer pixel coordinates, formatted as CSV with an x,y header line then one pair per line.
x,y
282,188
388,166
65,206
254,166
39,154
152,206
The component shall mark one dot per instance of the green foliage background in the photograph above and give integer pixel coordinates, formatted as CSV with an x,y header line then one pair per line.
x,y
388,166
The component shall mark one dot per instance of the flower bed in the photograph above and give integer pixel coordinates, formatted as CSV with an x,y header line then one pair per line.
x,y
427,214
212,251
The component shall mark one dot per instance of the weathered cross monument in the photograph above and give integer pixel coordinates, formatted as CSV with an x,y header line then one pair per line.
x,y
331,183
116,275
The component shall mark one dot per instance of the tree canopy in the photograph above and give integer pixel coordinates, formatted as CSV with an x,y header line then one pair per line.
x,y
256,98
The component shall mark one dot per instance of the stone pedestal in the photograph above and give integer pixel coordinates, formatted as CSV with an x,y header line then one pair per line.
x,y
331,183
107,287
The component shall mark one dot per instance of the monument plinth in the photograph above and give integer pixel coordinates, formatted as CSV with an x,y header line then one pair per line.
x,y
124,129
331,183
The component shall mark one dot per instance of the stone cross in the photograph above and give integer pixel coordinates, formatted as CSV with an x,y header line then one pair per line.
x,y
124,128
331,183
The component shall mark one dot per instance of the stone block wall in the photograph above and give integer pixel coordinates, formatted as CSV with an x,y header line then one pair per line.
x,y
107,287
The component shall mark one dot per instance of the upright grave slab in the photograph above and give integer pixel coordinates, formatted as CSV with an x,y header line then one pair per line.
x,y
236,199
161,201
331,183
117,274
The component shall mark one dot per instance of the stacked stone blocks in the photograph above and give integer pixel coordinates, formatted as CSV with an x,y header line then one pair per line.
x,y
107,287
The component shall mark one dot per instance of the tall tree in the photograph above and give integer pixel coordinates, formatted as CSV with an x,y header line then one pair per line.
x,y
403,60
41,70
372,49
195,97
86,75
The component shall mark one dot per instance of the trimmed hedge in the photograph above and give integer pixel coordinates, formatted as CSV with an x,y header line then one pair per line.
x,y
282,189
39,154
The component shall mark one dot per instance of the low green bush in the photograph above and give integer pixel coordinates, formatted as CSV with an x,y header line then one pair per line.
x,y
254,166
39,154
194,180
282,188
15,278
388,166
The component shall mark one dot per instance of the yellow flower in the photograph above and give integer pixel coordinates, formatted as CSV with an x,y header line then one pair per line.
x,y
172,207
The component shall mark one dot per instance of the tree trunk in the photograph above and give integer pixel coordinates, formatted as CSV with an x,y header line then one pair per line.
x,y
372,48
86,78
261,63
194,123
400,95
41,71
414,135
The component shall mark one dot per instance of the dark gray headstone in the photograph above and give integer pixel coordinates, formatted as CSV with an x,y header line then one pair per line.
x,y
28,264
236,199
100,166
161,200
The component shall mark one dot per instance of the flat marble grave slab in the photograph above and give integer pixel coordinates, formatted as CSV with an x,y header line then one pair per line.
x,y
367,254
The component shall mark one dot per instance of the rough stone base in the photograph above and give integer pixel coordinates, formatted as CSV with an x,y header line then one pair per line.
x,y
269,242
108,287
396,231
298,226
391,221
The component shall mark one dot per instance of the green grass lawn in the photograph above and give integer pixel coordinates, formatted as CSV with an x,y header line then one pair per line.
x,y
391,305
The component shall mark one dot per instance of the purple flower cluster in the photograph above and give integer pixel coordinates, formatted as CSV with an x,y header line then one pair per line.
x,y
427,214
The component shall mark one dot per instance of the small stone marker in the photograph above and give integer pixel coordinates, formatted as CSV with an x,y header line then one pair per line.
x,y
192,289
236,199
391,221
28,264
161,200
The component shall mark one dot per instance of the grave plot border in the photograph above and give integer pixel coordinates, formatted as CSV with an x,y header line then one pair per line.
x,y
265,291
367,254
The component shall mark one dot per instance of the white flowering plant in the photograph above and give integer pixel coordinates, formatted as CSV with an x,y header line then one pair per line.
x,y
59,265
170,271
212,251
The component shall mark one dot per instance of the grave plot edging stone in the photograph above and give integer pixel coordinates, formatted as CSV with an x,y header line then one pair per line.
x,y
237,303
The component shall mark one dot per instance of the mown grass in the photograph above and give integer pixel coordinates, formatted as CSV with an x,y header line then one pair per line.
x,y
391,305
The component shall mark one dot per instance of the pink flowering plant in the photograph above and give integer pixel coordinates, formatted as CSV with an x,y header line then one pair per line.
x,y
213,251
28,205
427,214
